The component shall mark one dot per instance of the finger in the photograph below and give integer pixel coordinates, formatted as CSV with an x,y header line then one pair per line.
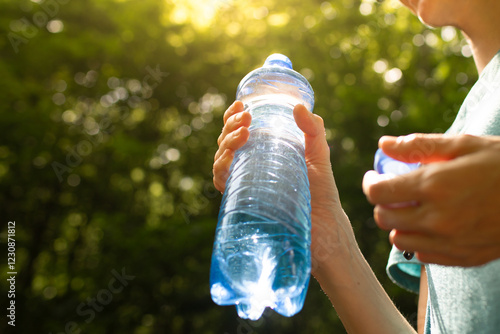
x,y
421,242
410,5
314,132
221,170
467,258
234,122
233,141
452,260
403,218
441,259
432,249
308,122
427,249
371,177
428,148
386,188
234,108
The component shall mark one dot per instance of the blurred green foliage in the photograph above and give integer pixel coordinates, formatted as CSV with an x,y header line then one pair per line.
x,y
110,111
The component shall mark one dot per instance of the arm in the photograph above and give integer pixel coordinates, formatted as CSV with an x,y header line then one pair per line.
x,y
457,190
337,262
422,301
359,299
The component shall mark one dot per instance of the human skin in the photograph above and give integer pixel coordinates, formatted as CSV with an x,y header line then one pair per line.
x,y
354,290
456,219
441,242
477,19
333,243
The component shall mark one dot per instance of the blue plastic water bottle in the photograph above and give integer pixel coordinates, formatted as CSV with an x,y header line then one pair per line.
x,y
384,164
261,256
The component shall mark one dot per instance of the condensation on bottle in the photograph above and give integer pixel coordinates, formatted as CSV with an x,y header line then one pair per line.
x,y
261,256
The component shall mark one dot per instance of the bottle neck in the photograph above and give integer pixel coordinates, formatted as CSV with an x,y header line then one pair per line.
x,y
275,117
256,100
283,86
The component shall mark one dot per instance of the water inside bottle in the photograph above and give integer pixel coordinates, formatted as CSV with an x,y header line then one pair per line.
x,y
264,259
261,256
266,265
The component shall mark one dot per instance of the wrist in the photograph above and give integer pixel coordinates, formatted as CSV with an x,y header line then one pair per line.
x,y
335,251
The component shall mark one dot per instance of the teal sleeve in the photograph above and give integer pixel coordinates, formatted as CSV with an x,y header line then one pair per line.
x,y
403,272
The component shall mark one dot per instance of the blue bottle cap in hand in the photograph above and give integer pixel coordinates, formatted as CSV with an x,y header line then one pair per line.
x,y
384,164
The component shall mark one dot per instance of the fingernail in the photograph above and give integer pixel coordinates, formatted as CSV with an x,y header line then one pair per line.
x,y
407,138
228,154
388,141
372,177
242,106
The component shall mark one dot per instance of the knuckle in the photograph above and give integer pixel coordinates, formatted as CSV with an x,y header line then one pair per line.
x,y
217,184
320,121
219,139
424,147
463,140
226,116
225,143
228,113
217,166
230,120
411,139
415,139
433,224
221,165
434,184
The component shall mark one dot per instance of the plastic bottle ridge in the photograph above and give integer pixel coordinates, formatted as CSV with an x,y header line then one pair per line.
x,y
261,256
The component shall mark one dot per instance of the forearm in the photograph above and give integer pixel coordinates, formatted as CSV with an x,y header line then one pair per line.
x,y
360,301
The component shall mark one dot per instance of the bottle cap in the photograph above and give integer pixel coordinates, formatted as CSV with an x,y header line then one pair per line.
x,y
384,164
277,59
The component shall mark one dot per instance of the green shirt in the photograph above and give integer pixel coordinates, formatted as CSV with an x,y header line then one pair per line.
x,y
462,300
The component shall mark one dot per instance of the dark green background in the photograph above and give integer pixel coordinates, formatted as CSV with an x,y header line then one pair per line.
x,y
108,131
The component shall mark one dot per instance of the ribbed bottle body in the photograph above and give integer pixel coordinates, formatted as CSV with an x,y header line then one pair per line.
x,y
261,256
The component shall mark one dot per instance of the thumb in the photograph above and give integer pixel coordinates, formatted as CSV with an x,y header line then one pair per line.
x,y
311,124
428,148
314,132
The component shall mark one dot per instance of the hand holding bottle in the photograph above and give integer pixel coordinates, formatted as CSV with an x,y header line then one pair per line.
x,y
337,262
456,221
331,234
261,256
